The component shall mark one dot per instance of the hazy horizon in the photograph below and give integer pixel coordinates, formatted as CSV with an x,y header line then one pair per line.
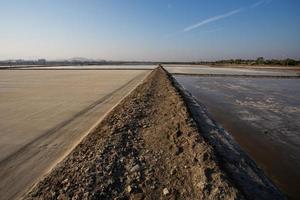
x,y
170,30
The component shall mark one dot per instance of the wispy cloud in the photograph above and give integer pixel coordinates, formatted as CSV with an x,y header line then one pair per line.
x,y
212,19
260,3
257,4
225,15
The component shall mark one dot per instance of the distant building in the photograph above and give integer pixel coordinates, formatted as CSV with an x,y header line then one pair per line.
x,y
41,61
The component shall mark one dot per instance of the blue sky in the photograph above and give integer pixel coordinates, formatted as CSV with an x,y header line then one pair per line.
x,y
160,30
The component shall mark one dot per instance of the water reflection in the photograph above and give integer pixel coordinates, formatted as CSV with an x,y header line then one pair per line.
x,y
263,115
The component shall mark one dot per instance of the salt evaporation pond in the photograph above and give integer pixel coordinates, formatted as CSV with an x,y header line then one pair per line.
x,y
263,115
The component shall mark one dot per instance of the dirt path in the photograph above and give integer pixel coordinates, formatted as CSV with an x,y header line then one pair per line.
x,y
24,167
148,147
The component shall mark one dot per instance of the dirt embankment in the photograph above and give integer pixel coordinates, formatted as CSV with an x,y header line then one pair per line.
x,y
148,147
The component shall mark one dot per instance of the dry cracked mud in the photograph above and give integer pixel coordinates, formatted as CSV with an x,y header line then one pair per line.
x,y
148,147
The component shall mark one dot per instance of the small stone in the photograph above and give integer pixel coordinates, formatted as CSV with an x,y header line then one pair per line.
x,y
200,185
67,187
129,189
178,150
62,197
166,191
87,170
53,194
173,171
138,196
110,181
65,181
135,168
86,195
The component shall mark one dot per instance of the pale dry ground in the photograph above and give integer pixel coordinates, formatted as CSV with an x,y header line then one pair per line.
x,y
99,67
44,114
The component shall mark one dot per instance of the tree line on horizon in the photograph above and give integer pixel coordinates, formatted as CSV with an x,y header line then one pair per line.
x,y
261,61
258,61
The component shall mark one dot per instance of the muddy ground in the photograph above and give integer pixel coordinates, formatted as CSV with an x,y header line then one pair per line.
x,y
148,147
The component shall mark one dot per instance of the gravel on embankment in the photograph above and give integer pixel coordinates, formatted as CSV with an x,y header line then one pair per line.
x,y
147,147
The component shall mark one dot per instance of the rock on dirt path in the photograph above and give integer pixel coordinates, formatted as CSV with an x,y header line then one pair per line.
x,y
148,147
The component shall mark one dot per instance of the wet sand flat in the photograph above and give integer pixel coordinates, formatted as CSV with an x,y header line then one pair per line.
x,y
45,113
230,71
262,114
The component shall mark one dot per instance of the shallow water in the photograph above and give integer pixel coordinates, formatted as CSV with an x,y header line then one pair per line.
x,y
263,115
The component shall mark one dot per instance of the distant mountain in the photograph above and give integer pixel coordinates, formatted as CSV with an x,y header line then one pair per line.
x,y
82,59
